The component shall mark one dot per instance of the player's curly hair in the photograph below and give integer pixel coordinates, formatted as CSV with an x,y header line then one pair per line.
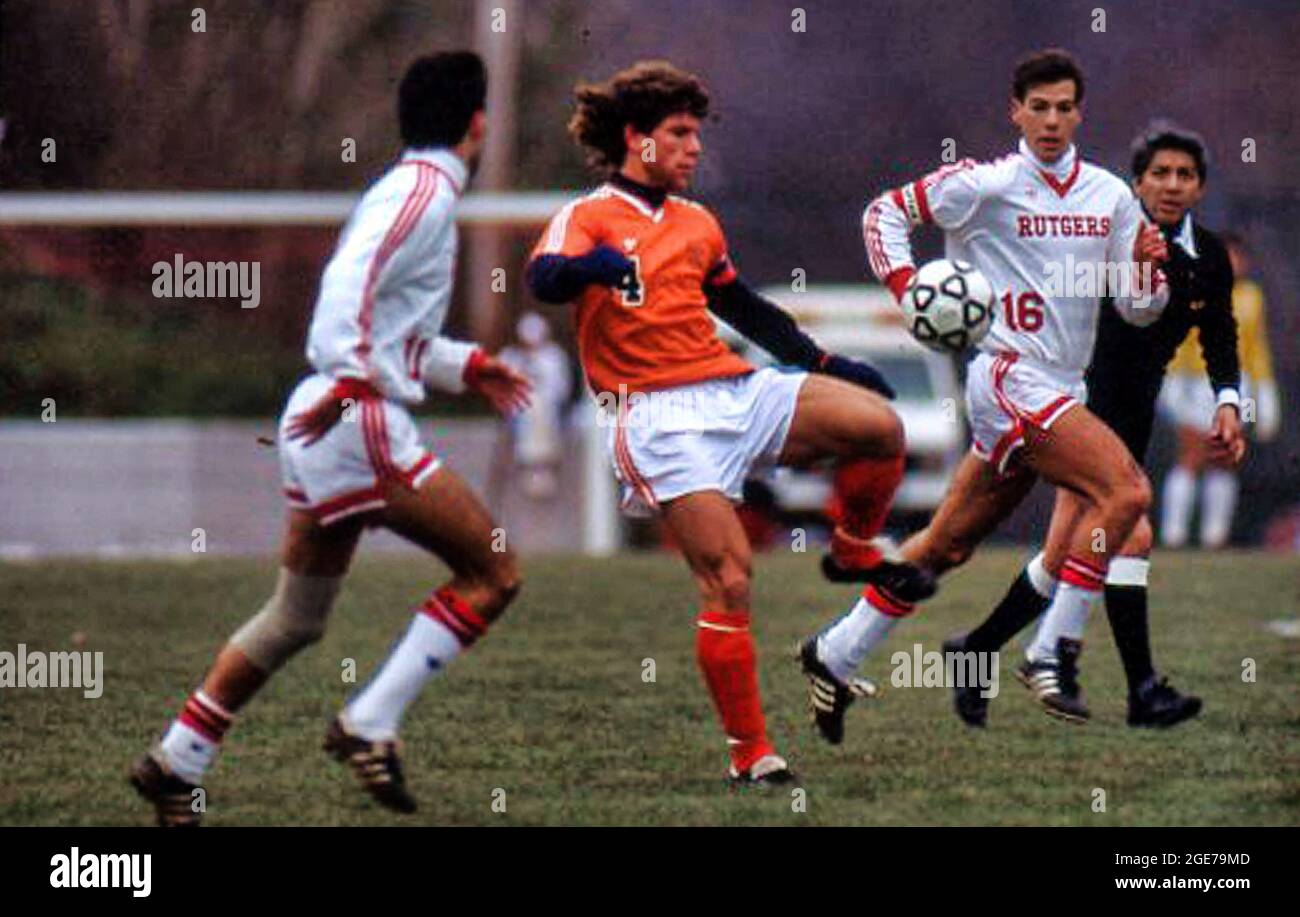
x,y
643,95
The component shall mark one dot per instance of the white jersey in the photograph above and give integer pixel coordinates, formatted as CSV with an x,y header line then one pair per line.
x,y
1047,237
385,292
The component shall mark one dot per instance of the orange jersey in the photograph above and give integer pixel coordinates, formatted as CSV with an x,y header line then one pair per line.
x,y
657,333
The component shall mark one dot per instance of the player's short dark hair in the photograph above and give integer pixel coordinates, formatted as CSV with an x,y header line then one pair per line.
x,y
1165,135
1050,65
643,95
438,96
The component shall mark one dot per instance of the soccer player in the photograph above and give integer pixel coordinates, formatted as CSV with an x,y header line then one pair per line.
x,y
1186,393
1169,172
688,419
1023,220
351,457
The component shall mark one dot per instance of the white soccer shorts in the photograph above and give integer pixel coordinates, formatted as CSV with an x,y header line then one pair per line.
x,y
1006,394
339,475
708,435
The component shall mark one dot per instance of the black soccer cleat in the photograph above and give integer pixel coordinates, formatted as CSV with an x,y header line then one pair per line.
x,y
828,697
1055,682
972,707
767,772
1160,705
889,572
172,798
376,764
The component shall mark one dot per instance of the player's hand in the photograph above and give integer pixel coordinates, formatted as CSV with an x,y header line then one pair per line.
x,y
1150,246
312,424
607,266
506,389
857,372
1227,445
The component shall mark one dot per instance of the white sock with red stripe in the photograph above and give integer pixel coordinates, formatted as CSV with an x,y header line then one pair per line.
x,y
192,741
1080,588
842,646
444,627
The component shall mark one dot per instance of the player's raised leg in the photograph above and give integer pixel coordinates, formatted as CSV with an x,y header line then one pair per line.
x,y
863,434
706,528
978,498
444,517
314,559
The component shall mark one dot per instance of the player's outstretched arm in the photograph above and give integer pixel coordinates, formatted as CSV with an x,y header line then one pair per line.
x,y
459,366
558,278
772,328
946,198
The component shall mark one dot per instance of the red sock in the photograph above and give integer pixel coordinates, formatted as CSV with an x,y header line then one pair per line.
x,y
864,491
725,651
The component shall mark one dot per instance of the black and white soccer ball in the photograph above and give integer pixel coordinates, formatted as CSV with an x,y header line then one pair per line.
x,y
948,306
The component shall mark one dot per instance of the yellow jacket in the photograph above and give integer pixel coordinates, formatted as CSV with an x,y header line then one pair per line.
x,y
1252,338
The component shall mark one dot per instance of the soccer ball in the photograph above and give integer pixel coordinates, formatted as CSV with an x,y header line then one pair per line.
x,y
948,305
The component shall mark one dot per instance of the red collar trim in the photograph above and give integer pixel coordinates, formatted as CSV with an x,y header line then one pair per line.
x,y
1062,188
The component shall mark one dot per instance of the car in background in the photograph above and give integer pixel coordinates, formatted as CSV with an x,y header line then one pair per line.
x,y
863,322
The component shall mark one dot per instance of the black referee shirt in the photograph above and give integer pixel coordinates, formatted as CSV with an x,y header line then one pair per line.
x,y
1128,362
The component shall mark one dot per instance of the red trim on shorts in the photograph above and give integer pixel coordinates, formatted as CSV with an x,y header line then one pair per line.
x,y
349,504
1047,415
623,458
415,470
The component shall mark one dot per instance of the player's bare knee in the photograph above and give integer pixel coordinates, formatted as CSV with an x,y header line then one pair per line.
x,y
291,620
505,581
734,588
883,434
1140,539
1132,500
724,579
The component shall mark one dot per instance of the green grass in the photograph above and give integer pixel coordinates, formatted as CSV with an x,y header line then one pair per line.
x,y
552,708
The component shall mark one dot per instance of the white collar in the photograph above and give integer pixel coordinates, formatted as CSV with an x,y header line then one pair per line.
x,y
1185,237
443,159
1059,169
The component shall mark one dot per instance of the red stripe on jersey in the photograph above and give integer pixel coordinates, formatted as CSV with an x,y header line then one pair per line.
x,y
918,188
426,184
871,234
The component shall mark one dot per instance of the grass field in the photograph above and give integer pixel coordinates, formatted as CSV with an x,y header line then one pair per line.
x,y
552,707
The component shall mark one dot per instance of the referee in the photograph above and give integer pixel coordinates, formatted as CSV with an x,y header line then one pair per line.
x,y
1128,365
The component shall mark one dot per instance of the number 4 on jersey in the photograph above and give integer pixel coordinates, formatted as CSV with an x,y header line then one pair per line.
x,y
630,288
